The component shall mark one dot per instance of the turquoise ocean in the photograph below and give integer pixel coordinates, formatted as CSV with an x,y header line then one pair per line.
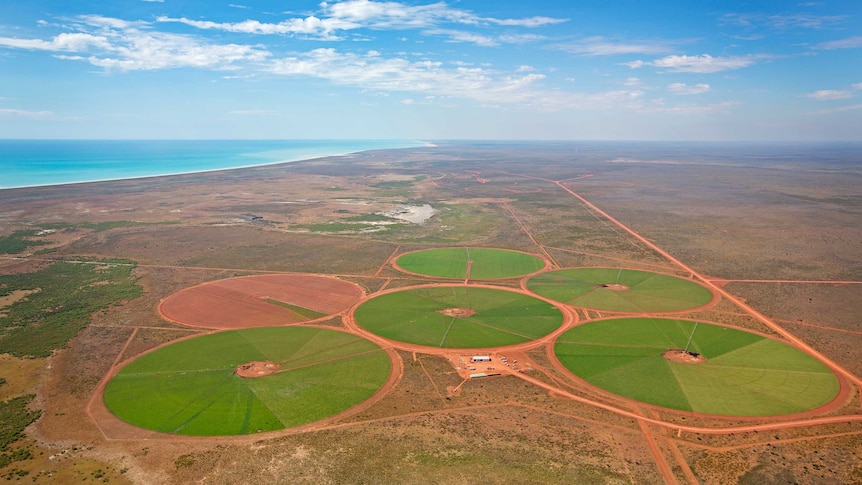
x,y
30,163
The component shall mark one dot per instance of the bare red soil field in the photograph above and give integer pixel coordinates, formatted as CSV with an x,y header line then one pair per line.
x,y
252,301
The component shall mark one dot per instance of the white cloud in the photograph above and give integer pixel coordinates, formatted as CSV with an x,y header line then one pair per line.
x,y
396,15
128,46
529,22
525,68
109,22
848,43
783,21
703,64
120,45
685,89
600,46
19,113
74,42
308,26
363,14
489,87
462,36
830,94
367,14
520,38
660,106
632,81
835,94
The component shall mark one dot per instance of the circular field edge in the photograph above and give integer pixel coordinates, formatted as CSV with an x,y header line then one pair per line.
x,y
545,263
113,426
842,394
569,317
275,314
715,297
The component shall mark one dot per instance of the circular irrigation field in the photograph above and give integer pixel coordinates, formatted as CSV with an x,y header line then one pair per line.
x,y
738,373
621,290
247,381
260,301
467,317
475,263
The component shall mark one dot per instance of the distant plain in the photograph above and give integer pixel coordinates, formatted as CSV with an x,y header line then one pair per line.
x,y
774,225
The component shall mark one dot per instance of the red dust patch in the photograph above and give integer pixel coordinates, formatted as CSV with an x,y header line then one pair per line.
x,y
257,369
682,357
457,312
615,287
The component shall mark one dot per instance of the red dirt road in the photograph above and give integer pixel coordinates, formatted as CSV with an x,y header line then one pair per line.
x,y
796,341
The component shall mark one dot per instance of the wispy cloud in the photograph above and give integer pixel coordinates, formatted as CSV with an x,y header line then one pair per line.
x,y
830,94
115,44
661,106
685,89
66,42
312,26
120,45
397,15
848,43
632,81
528,22
20,113
601,46
399,74
335,18
482,40
836,94
783,21
468,37
703,64
520,38
487,86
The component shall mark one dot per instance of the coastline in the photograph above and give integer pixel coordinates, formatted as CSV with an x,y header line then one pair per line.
x,y
299,157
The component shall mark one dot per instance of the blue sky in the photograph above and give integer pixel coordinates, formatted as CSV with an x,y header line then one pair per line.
x,y
540,69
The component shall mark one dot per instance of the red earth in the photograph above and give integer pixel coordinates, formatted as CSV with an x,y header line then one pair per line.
x,y
253,301
257,369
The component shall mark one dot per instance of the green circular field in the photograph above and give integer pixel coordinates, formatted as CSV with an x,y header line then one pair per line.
x,y
483,263
193,388
458,317
619,290
743,374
